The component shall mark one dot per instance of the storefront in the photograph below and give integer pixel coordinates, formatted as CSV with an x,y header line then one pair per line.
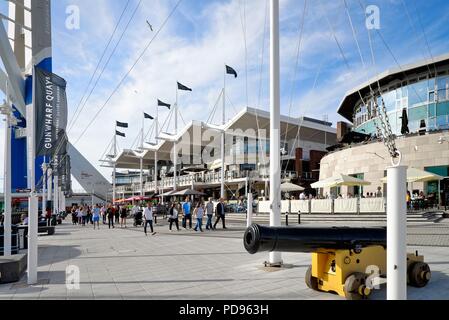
x,y
432,187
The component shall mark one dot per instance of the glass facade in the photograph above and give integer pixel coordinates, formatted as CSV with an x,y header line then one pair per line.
x,y
426,101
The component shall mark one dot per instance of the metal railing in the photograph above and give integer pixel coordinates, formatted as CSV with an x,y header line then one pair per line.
x,y
189,180
15,245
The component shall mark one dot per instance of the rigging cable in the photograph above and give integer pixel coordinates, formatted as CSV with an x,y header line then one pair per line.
x,y
105,65
130,70
295,72
99,62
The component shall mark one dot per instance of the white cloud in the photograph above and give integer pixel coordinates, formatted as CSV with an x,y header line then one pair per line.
x,y
193,48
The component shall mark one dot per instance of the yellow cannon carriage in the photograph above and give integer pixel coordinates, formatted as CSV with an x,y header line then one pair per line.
x,y
346,261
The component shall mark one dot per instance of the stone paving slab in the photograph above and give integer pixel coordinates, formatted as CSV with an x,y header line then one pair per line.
x,y
124,264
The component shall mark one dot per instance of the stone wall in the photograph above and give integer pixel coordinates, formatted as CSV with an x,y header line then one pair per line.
x,y
373,159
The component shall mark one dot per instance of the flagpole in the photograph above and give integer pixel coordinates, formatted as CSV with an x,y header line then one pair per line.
x,y
56,188
44,186
275,183
114,169
141,157
32,262
155,152
49,183
7,181
223,135
175,152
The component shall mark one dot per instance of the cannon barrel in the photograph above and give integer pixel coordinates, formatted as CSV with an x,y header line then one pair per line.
x,y
259,238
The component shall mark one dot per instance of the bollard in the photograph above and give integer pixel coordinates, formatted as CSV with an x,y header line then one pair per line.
x,y
286,218
396,234
299,217
249,210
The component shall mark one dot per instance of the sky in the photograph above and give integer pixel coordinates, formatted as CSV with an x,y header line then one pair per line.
x,y
203,35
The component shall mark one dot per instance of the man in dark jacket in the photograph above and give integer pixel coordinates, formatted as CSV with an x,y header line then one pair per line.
x,y
220,211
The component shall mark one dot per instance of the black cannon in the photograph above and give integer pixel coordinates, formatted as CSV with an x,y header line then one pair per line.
x,y
341,256
258,238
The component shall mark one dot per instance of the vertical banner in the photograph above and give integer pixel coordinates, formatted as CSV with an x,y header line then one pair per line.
x,y
51,113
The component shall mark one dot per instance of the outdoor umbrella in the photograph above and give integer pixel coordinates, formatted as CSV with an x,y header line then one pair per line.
x,y
187,192
340,180
167,194
417,175
290,187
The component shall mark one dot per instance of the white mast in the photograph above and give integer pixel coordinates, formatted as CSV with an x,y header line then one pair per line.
x,y
141,157
175,151
7,172
223,137
155,152
396,233
114,168
275,183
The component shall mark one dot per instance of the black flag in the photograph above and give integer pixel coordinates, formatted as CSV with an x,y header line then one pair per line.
x,y
118,133
147,116
183,87
230,70
51,113
122,125
163,104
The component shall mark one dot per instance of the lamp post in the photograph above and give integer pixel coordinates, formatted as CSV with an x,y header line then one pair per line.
x,y
6,109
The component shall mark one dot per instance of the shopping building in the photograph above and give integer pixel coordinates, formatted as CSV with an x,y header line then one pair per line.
x,y
416,99
247,151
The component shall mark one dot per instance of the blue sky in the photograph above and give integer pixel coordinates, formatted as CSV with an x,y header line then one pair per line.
x,y
204,35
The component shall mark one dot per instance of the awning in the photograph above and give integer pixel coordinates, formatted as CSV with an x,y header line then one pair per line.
x,y
417,175
340,180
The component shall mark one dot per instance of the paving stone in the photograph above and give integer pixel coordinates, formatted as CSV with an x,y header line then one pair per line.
x,y
124,264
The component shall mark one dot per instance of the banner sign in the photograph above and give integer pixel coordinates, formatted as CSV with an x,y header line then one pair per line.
x,y
50,102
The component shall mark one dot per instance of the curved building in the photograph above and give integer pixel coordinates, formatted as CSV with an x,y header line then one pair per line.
x,y
416,102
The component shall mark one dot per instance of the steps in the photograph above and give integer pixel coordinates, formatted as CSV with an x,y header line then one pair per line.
x,y
428,217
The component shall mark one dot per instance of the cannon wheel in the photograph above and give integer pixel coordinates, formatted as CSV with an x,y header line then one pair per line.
x,y
419,274
352,285
311,282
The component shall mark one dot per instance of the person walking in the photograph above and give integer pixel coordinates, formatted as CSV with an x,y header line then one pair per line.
x,y
84,216
199,213
210,214
110,212
103,213
74,216
79,215
174,216
187,210
123,216
117,214
89,214
96,217
220,214
148,216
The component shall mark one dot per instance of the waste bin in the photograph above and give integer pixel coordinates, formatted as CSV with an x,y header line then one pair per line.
x,y
14,240
54,220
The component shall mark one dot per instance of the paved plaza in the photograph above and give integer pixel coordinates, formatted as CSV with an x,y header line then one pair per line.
x,y
124,264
